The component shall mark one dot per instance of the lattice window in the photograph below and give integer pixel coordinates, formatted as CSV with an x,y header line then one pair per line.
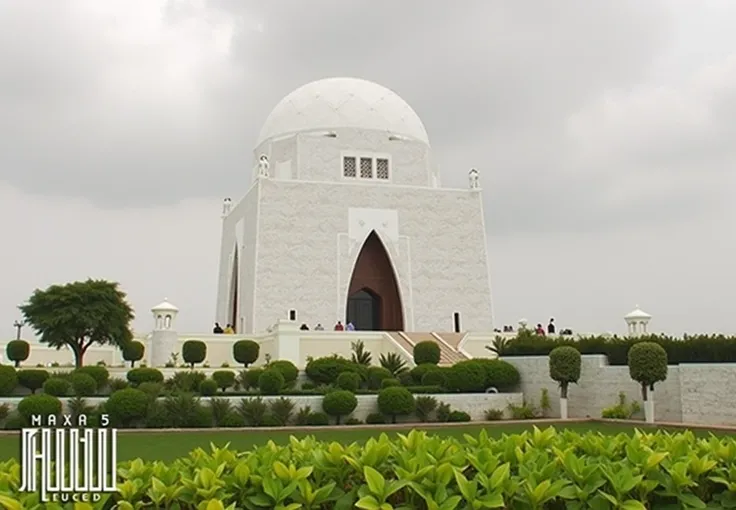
x,y
366,168
381,168
349,167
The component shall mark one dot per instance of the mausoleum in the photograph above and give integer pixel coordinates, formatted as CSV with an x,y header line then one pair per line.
x,y
346,219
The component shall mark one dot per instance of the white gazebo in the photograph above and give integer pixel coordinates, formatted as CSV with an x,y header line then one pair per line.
x,y
164,315
637,322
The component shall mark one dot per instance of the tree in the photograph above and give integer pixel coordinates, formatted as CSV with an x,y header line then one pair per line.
x,y
647,366
564,367
246,352
18,351
133,351
79,314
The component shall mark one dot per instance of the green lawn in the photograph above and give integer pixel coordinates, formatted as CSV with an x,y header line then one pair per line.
x,y
166,446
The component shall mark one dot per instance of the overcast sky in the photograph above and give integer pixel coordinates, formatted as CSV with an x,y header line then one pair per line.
x,y
603,132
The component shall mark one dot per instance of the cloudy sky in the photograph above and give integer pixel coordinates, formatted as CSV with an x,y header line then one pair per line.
x,y
603,131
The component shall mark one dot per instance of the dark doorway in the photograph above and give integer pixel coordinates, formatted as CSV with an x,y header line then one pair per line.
x,y
234,292
373,295
364,311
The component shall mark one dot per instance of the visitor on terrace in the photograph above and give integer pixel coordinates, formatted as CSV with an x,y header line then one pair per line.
x,y
339,326
319,327
551,326
229,330
540,330
350,327
304,327
217,330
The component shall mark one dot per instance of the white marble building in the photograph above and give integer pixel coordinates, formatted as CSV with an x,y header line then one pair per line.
x,y
346,220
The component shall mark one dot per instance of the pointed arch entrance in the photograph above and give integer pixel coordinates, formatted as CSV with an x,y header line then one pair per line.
x,y
234,288
374,302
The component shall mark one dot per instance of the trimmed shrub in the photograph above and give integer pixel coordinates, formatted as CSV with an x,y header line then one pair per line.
x,y
271,382
647,365
467,377
208,387
8,380
353,421
326,370
18,351
427,352
564,367
318,419
375,419
425,389
127,406
434,378
41,404
32,379
152,389
224,378
339,403
287,369
137,376
193,352
246,352
83,384
500,374
387,383
417,373
458,416
98,372
251,377
133,351
349,381
57,387
375,376
396,401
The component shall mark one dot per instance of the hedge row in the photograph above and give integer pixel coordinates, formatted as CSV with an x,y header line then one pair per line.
x,y
542,469
689,349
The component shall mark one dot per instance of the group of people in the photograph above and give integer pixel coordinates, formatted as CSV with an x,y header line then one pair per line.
x,y
540,330
217,330
338,327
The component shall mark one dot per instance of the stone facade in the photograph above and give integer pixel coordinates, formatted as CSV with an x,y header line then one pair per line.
x,y
692,393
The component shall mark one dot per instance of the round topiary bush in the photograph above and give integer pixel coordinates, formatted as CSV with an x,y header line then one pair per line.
x,y
127,406
271,382
500,374
99,373
434,378
208,387
375,376
458,416
246,352
41,404
349,381
417,373
252,376
8,380
224,378
18,351
647,365
396,401
427,352
32,379
152,389
466,377
137,376
387,383
193,351
339,403
326,370
318,419
57,387
287,369
133,351
564,367
83,384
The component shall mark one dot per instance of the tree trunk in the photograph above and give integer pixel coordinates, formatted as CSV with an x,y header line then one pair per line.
x,y
17,363
649,406
79,351
563,408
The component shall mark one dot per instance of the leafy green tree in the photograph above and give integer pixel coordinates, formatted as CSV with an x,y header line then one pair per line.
x,y
80,314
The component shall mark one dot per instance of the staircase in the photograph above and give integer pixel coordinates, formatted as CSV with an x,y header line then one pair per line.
x,y
448,353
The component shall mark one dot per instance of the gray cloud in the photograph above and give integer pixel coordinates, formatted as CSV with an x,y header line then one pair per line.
x,y
598,129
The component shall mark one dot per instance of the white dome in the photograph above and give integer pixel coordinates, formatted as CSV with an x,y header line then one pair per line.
x,y
335,103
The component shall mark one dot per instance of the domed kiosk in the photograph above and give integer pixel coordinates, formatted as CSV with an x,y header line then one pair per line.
x,y
346,221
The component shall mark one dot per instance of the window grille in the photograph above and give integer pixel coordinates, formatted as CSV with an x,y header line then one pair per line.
x,y
366,168
382,168
348,167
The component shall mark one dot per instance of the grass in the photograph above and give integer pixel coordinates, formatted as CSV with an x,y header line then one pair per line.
x,y
166,446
